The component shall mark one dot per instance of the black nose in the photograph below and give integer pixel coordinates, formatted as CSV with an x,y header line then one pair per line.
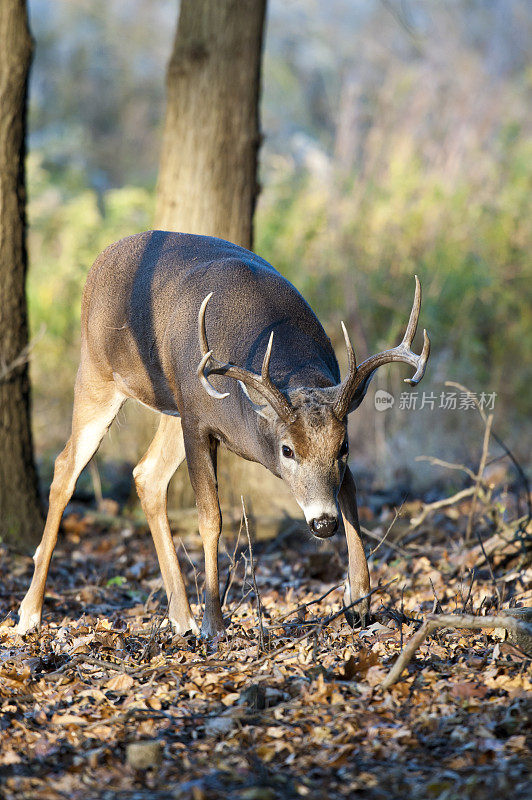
x,y
323,527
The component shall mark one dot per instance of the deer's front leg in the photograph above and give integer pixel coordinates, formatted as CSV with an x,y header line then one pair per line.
x,y
201,460
358,574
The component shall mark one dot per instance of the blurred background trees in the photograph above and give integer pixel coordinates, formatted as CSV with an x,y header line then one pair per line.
x,y
20,517
397,140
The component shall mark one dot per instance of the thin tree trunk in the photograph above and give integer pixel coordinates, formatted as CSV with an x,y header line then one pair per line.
x,y
208,170
20,511
208,167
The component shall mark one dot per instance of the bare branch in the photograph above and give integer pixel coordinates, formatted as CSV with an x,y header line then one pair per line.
x,y
447,501
448,465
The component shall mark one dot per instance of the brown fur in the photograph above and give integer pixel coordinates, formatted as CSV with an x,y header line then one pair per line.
x,y
139,339
316,432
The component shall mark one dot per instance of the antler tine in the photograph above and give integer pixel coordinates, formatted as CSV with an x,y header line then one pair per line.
x,y
344,390
265,371
421,361
352,361
209,388
360,377
411,328
202,333
261,383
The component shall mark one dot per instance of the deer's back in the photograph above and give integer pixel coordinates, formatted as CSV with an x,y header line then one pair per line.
x,y
140,309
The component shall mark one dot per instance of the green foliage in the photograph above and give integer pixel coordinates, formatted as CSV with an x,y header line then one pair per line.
x,y
350,245
117,580
468,240
69,225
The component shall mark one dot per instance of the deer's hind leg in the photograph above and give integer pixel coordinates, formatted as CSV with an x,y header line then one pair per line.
x,y
96,404
152,476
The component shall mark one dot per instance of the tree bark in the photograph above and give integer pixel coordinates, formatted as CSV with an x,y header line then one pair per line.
x,y
20,509
208,169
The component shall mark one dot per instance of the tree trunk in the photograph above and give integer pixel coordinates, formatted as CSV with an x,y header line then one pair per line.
x,y
208,170
20,510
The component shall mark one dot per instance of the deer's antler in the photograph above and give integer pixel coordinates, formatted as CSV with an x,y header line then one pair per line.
x,y
359,376
261,383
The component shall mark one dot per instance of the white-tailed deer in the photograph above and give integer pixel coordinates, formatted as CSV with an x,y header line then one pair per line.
x,y
153,307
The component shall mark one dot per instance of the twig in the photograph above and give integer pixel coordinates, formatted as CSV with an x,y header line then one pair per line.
x,y
471,582
471,394
390,526
181,542
488,562
322,624
337,614
372,535
465,621
402,617
479,478
437,605
156,627
524,480
448,465
232,566
447,501
254,579
306,605
98,662
242,600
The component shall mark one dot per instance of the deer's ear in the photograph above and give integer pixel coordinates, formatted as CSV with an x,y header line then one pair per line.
x,y
358,396
254,399
360,393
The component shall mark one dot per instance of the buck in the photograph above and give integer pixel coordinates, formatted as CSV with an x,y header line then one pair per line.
x,y
215,339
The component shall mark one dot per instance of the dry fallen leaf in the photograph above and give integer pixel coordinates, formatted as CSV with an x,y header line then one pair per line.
x,y
120,683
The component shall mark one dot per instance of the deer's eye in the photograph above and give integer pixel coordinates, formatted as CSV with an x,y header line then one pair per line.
x,y
343,450
287,451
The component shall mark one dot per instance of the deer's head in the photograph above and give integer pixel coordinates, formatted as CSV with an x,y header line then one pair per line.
x,y
307,427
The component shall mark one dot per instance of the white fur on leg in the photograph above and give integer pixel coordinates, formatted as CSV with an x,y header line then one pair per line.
x,y
28,621
347,593
178,626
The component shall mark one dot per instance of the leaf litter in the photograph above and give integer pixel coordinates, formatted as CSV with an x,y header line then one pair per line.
x,y
106,702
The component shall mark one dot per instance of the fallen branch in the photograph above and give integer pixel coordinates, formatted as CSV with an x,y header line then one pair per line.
x,y
520,629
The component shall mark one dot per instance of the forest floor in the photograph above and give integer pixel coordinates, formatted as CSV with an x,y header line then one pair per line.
x,y
105,703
